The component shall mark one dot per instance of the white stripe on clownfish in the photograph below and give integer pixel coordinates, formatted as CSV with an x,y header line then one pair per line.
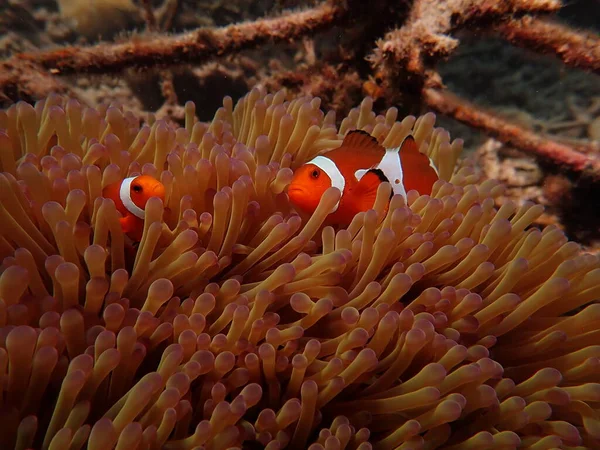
x,y
391,166
360,173
331,169
432,165
392,171
125,195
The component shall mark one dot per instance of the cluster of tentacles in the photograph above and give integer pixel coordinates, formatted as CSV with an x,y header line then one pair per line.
x,y
439,322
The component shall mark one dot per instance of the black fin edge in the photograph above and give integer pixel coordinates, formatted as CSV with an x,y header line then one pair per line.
x,y
364,133
380,175
408,136
382,178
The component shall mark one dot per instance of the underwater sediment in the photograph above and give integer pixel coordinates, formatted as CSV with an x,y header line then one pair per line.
x,y
439,322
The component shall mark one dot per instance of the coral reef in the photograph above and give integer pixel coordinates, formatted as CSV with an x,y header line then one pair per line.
x,y
439,322
444,322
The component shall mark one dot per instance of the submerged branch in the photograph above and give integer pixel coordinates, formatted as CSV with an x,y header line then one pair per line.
x,y
197,46
558,154
575,48
27,81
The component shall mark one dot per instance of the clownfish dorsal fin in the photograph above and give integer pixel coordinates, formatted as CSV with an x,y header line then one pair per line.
x,y
363,140
419,171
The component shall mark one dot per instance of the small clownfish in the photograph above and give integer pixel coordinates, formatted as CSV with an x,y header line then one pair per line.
x,y
130,197
357,168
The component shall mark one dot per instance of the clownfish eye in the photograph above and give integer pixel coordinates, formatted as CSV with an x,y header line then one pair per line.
x,y
137,188
315,173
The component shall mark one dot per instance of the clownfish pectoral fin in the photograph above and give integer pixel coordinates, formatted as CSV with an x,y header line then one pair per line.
x,y
365,192
419,171
127,223
363,140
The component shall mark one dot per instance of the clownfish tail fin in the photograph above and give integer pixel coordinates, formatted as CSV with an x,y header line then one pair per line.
x,y
419,171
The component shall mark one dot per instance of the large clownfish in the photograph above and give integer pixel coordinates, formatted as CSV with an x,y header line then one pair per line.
x,y
357,168
130,197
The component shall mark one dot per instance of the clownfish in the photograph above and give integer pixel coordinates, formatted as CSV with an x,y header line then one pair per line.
x,y
130,197
357,168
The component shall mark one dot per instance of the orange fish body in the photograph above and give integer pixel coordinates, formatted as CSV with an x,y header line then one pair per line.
x,y
130,196
357,168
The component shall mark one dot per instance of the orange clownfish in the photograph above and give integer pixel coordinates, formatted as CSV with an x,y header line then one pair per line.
x,y
130,197
357,168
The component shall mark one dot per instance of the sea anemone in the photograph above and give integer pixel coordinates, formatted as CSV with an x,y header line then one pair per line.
x,y
437,322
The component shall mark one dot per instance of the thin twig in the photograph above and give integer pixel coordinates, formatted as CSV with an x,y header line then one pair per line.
x,y
167,88
149,17
166,14
575,48
509,133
